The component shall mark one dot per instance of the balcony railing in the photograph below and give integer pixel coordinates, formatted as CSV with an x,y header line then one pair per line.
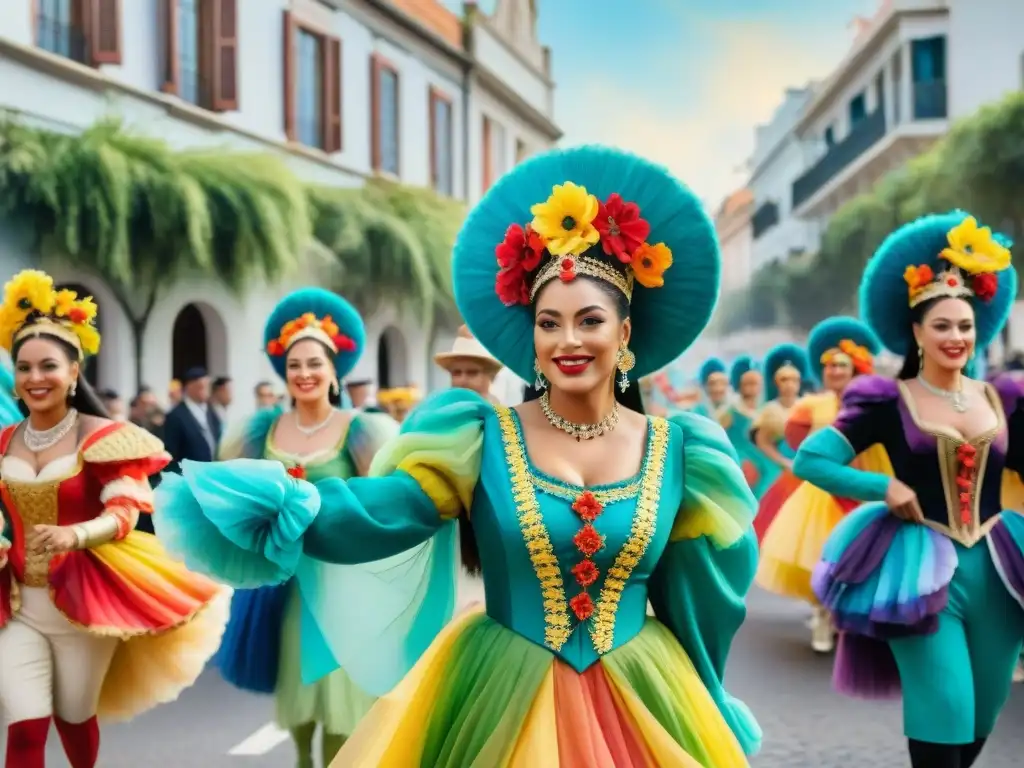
x,y
61,38
930,100
765,217
866,133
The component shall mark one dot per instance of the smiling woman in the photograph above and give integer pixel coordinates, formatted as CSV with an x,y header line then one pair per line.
x,y
579,510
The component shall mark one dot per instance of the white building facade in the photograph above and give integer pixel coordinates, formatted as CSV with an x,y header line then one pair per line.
x,y
342,90
913,70
778,159
734,230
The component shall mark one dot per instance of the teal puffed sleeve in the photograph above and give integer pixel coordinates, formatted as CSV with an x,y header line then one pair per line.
x,y
699,587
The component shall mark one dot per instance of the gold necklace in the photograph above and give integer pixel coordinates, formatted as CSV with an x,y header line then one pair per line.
x,y
579,431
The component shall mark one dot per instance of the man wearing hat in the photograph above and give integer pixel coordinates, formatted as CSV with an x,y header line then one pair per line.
x,y
192,429
470,365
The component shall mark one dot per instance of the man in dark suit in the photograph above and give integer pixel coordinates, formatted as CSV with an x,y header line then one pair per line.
x,y
192,430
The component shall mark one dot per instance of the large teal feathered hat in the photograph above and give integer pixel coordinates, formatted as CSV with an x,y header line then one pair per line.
x,y
313,313
785,356
741,366
939,255
709,368
843,336
597,212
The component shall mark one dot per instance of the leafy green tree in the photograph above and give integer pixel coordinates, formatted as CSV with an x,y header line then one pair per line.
x,y
139,216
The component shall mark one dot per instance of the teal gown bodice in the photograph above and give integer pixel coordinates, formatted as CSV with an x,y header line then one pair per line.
x,y
635,521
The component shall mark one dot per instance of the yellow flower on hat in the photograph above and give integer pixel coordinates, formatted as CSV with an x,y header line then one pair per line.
x,y
974,250
566,220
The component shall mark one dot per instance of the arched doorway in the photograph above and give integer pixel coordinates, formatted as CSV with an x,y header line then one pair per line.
x,y
91,363
189,341
391,360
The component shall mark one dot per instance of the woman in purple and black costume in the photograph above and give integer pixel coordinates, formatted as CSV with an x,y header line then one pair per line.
x,y
927,583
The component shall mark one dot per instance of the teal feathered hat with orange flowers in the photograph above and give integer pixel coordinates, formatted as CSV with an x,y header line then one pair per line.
x,y
315,313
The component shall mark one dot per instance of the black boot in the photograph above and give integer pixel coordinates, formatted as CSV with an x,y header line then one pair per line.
x,y
924,754
969,753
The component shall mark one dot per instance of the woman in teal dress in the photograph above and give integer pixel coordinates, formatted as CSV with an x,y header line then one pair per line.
x,y
748,385
577,508
714,385
313,338
927,581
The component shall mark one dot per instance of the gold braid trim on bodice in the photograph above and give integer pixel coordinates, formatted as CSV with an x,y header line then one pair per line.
x,y
36,503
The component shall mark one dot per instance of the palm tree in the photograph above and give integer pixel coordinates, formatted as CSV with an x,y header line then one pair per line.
x,y
139,215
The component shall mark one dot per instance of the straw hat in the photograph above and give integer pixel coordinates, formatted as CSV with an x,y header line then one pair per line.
x,y
467,348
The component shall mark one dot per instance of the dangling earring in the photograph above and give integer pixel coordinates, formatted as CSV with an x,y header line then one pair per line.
x,y
15,394
72,390
625,363
335,388
540,381
920,358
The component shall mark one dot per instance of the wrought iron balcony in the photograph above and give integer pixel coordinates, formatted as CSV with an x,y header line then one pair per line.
x,y
765,217
930,100
863,136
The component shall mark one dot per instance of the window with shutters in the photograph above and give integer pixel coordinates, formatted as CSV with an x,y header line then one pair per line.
x,y
201,52
441,143
312,93
86,31
385,115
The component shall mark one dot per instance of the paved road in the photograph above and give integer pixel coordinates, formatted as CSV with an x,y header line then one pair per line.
x,y
772,669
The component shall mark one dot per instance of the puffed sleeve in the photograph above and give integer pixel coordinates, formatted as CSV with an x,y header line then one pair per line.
x,y
800,422
867,411
248,521
121,457
367,435
699,587
1011,394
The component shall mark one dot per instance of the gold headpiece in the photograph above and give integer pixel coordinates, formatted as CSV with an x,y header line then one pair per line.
x,y
32,307
309,326
975,257
566,229
787,367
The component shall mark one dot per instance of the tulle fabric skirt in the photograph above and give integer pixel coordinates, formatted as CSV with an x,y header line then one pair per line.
x,y
262,653
483,696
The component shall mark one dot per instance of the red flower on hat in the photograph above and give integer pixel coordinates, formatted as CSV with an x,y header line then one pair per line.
x,y
985,286
621,228
343,343
518,254
275,348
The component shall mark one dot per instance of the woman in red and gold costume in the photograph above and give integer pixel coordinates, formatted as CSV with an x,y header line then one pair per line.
x,y
95,619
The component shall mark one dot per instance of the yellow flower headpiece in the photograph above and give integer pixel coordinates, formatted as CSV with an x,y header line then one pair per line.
x,y
852,354
975,257
309,326
398,396
566,227
32,307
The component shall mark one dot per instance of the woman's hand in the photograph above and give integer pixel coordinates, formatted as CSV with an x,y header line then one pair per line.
x,y
902,502
52,540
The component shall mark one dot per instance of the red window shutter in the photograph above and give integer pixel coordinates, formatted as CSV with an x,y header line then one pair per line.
x,y
224,61
375,148
332,94
288,69
432,134
103,31
169,19
486,143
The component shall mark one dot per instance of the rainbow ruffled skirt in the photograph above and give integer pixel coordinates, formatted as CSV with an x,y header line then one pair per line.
x,y
483,695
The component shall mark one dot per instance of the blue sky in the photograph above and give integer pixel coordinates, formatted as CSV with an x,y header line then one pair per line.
x,y
685,81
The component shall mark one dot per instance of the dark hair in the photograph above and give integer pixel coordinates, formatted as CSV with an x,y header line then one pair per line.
x,y
334,398
109,394
221,381
260,385
85,400
912,360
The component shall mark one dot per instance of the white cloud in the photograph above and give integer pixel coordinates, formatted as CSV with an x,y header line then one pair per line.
x,y
703,128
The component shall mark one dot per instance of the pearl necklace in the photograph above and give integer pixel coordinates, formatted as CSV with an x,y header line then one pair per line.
x,y
957,398
579,431
310,431
39,440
